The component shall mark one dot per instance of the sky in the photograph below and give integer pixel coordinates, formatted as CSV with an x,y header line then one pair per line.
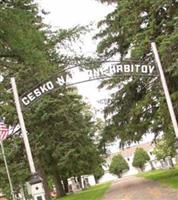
x,y
70,13
67,13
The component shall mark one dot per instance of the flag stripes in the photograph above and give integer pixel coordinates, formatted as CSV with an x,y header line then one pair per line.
x,y
4,131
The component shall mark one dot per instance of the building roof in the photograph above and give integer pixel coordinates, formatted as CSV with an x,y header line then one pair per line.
x,y
129,151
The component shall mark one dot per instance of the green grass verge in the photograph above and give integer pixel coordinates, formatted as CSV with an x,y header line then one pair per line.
x,y
93,193
167,176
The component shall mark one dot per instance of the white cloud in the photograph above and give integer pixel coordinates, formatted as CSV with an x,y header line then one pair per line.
x,y
67,13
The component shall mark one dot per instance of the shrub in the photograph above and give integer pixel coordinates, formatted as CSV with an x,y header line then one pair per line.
x,y
118,165
140,158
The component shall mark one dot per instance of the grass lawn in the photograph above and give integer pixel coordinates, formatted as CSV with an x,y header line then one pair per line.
x,y
94,193
167,176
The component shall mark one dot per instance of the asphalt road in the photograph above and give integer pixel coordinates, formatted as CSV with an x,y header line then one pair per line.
x,y
135,188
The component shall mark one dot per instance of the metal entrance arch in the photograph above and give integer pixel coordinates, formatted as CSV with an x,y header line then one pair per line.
x,y
106,70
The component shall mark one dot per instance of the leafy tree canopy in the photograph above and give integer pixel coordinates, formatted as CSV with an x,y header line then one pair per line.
x,y
165,147
138,105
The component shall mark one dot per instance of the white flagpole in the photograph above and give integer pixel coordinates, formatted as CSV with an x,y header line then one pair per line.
x,y
7,170
165,88
22,125
37,189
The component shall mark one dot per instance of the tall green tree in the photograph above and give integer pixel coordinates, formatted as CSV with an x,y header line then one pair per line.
x,y
60,131
22,48
65,142
139,106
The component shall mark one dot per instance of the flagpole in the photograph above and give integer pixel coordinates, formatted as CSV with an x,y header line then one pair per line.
x,y
23,128
7,170
165,88
36,184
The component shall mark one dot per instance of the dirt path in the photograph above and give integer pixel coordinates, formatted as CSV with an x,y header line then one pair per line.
x,y
134,188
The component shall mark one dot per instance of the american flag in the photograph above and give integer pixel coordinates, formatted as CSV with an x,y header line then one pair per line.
x,y
4,131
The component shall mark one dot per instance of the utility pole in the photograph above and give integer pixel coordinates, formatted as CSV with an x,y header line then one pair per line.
x,y
36,186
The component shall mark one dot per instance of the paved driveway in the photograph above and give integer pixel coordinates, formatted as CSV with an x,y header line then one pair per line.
x,y
134,188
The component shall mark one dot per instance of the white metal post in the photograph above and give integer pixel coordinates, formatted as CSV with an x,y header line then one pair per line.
x,y
35,181
7,170
22,125
165,88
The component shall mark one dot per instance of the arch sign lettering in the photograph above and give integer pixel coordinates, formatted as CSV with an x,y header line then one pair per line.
x,y
76,76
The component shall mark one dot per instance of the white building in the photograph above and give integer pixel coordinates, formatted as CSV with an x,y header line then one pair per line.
x,y
128,154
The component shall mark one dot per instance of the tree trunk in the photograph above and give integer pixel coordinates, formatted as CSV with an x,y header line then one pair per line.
x,y
142,168
171,162
119,175
96,180
162,165
66,186
58,184
165,162
45,182
177,158
80,181
152,166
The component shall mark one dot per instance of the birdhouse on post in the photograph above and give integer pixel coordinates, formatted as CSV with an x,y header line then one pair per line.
x,y
36,187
